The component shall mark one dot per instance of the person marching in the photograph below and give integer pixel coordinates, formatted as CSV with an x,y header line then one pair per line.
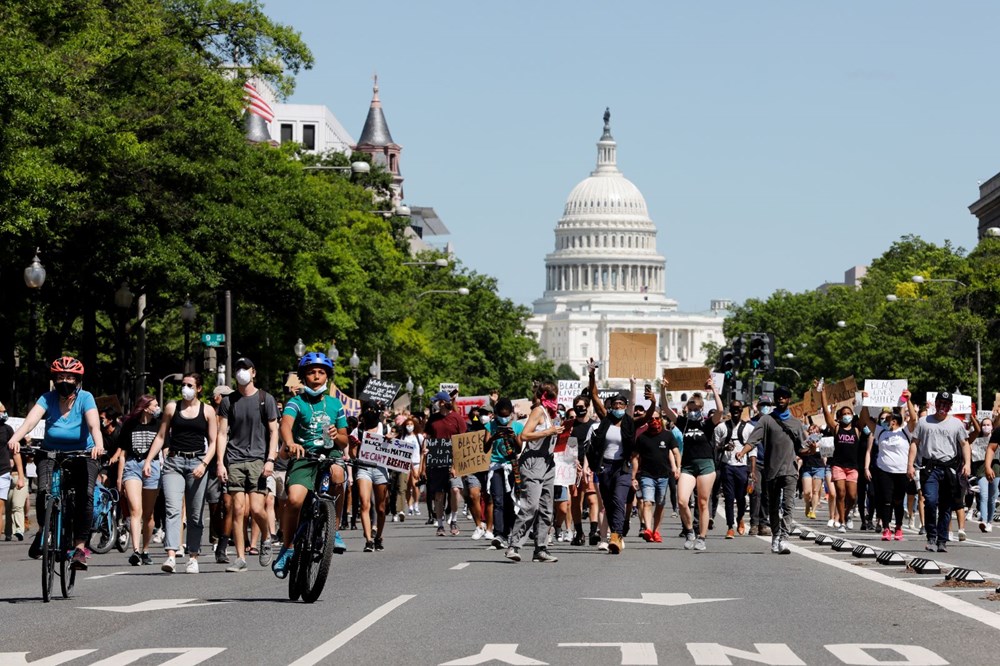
x,y
370,477
849,443
136,437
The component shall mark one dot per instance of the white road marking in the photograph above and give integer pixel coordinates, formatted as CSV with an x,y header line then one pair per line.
x,y
326,649
633,654
661,599
185,656
505,653
154,605
117,573
459,567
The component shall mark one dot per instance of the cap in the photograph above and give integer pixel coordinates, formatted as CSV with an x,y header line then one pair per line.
x,y
944,395
441,396
782,392
222,390
486,409
765,401
243,362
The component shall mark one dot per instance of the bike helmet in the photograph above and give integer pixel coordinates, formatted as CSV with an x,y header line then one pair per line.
x,y
66,364
315,359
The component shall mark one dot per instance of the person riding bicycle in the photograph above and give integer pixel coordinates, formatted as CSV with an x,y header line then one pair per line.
x,y
72,423
316,423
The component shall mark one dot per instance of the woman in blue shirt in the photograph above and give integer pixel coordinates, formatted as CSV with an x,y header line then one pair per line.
x,y
72,423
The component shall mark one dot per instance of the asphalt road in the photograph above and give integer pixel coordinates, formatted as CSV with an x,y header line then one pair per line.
x,y
449,600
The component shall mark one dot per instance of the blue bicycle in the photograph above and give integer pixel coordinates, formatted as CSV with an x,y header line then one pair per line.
x,y
57,530
105,524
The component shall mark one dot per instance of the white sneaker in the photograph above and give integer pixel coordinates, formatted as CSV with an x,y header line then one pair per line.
x,y
478,534
603,545
168,565
961,535
416,510
783,548
910,524
989,527
548,541
842,529
395,519
192,566
850,523
157,536
829,523
488,535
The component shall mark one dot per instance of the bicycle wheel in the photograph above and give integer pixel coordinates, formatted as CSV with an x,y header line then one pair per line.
x,y
67,574
317,567
107,534
124,531
294,586
50,543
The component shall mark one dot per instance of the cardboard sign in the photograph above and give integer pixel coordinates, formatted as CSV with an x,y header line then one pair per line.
x,y
691,379
632,354
447,387
37,433
466,404
568,390
960,404
840,391
565,471
467,453
883,392
105,401
522,407
798,410
438,453
352,407
394,454
381,391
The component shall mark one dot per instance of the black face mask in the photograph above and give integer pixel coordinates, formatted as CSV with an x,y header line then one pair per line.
x,y
65,389
580,410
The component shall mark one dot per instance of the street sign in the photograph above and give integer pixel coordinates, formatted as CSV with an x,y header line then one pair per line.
x,y
213,339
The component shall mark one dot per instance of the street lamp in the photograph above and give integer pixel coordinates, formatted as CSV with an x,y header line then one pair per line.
x,y
175,377
461,291
355,168
355,363
300,348
373,369
333,353
437,262
781,367
123,301
920,279
409,384
420,396
188,314
34,278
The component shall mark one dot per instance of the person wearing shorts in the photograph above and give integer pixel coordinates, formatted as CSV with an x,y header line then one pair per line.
x,y
654,460
585,489
441,479
135,440
369,477
812,472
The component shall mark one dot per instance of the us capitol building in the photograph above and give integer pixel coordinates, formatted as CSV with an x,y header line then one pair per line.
x,y
605,275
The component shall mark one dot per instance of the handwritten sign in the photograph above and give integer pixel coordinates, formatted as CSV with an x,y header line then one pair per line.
x,y
841,391
381,391
826,447
982,414
108,401
438,453
448,387
565,471
467,453
467,403
568,390
632,354
37,433
687,378
960,404
394,454
351,406
883,392
798,410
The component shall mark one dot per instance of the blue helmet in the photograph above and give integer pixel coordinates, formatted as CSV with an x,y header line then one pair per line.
x,y
313,359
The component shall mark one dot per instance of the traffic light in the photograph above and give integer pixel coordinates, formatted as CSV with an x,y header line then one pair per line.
x,y
209,359
739,347
726,362
760,351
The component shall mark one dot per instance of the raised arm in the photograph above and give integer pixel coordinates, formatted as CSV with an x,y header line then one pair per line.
x,y
594,399
664,403
717,416
831,423
911,410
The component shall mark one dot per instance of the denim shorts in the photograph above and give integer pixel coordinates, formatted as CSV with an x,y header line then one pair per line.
x,y
379,476
560,494
477,480
812,473
654,490
133,470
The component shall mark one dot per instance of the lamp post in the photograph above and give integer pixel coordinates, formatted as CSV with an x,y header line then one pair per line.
x,y
437,262
123,301
34,278
420,396
333,353
175,377
188,314
461,291
300,348
355,363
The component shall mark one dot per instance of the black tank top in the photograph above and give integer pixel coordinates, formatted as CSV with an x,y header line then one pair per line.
x,y
188,435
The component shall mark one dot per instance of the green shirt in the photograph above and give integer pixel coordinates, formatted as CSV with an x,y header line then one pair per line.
x,y
498,455
312,419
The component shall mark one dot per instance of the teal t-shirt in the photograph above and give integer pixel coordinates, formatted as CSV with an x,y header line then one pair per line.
x,y
498,455
313,418
69,432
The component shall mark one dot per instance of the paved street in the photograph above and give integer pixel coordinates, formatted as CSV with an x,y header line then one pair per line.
x,y
434,600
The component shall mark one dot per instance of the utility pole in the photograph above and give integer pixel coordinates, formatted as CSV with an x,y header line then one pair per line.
x,y
229,336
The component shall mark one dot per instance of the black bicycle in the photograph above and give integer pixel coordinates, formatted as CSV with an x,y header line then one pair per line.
x,y
313,542
57,530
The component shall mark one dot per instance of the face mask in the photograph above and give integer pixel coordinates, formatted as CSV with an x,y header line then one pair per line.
x,y
550,404
695,416
314,392
765,410
656,425
580,410
409,427
65,389
618,413
484,419
243,377
987,429
846,419
3,417
156,413
503,420
188,393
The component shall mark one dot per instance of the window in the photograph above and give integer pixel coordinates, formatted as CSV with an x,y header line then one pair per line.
x,y
583,351
286,132
309,137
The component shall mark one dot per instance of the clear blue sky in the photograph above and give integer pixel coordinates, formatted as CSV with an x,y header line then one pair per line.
x,y
777,143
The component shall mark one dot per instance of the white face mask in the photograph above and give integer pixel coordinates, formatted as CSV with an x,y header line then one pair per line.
x,y
243,377
188,393
409,427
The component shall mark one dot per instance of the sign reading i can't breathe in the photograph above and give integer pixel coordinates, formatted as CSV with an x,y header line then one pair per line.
x,y
394,454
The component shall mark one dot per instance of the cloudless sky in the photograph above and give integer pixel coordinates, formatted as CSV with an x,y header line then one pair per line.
x,y
777,144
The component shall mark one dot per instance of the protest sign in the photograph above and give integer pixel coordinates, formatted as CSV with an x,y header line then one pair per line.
x,y
826,447
960,404
467,403
883,392
352,407
438,453
983,414
522,407
841,391
568,390
604,394
798,410
687,378
632,354
467,453
448,387
106,401
381,391
565,472
394,454
718,379
37,433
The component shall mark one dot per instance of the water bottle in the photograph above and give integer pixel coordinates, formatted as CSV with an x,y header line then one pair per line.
x,y
322,421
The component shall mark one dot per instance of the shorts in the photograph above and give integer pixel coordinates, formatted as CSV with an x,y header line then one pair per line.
x,y
477,480
911,487
560,493
812,473
133,471
439,480
587,485
213,489
848,474
379,476
699,467
247,476
302,473
279,484
654,490
4,486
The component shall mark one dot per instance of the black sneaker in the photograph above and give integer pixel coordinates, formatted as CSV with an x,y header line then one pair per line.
x,y
577,540
146,559
369,547
711,523
544,556
378,544
595,538
35,549
134,559
220,556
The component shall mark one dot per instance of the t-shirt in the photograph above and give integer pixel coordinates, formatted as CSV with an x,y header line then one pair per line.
x,y
979,448
137,438
6,432
313,418
782,441
939,440
654,453
729,443
697,439
581,432
613,450
67,432
847,442
893,451
417,442
498,452
439,430
248,434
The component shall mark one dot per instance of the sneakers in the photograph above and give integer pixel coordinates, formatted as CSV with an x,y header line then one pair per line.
x,y
811,515
730,534
440,530
369,547
220,554
831,523
239,566
401,516
192,566
646,535
899,534
983,526
699,544
35,549
158,535
282,562
842,529
544,556
741,528
764,530
657,538
595,538
850,523
911,524
689,541
488,535
886,535
378,545
922,531
169,565
930,548
513,554
942,548
147,561
783,548
615,544
988,528
499,543
478,534
79,560
577,540
961,535
603,545
454,529
711,523
774,547
264,552
134,559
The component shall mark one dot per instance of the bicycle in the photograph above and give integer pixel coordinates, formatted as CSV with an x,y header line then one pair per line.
x,y
57,532
313,543
105,523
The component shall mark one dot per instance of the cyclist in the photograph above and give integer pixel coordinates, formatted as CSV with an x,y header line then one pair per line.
x,y
72,423
317,423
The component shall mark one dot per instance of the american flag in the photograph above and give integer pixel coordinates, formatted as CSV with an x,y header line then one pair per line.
x,y
256,104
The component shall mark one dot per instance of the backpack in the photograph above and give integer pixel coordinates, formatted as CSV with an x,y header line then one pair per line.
x,y
739,431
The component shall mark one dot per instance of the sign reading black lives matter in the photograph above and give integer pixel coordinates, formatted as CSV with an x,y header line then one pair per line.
x,y
380,390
